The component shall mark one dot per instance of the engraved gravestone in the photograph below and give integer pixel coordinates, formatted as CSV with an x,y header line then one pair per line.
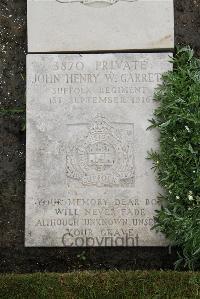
x,y
94,25
88,182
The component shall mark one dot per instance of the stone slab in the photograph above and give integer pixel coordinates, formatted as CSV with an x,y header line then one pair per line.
x,y
88,182
104,25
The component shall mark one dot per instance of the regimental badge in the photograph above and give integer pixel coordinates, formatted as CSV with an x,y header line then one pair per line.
x,y
104,156
95,3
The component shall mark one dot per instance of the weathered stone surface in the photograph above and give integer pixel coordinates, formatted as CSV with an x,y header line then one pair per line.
x,y
90,25
88,182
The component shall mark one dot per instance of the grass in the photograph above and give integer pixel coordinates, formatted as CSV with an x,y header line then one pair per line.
x,y
11,112
101,285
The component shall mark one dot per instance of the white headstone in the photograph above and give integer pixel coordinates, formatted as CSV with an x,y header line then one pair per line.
x,y
88,182
94,25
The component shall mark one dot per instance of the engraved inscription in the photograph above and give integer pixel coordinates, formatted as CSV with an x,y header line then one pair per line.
x,y
104,156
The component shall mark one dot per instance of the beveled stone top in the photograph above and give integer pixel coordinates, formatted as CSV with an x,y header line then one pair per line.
x,y
99,25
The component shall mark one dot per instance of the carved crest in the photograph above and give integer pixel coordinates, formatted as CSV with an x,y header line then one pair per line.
x,y
95,3
103,157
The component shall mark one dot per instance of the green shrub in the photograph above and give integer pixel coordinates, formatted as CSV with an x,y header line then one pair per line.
x,y
178,161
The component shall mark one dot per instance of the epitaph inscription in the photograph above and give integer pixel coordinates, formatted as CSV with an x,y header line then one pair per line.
x,y
88,182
